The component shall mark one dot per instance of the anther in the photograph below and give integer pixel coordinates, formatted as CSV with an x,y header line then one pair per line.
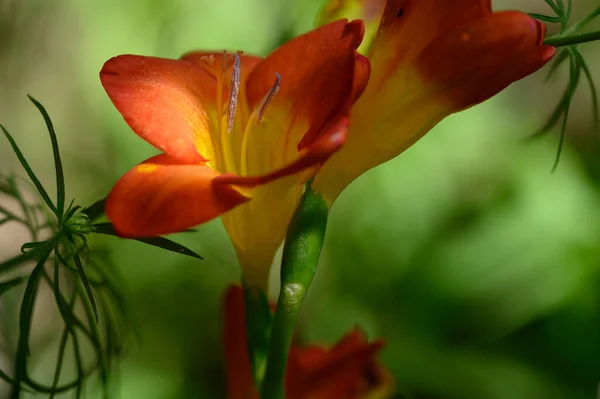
x,y
266,100
234,92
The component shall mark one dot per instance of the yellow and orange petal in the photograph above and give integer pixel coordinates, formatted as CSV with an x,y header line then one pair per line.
x,y
291,114
166,102
431,59
164,195
348,370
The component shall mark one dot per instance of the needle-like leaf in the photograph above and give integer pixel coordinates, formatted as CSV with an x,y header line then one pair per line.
x,y
30,173
60,178
161,242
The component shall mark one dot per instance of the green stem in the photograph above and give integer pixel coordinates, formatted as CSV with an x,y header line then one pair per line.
x,y
258,327
558,41
582,23
301,254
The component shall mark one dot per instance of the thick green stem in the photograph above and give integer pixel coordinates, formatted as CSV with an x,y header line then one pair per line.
x,y
301,254
258,327
559,41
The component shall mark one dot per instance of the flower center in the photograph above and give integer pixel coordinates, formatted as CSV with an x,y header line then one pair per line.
x,y
226,154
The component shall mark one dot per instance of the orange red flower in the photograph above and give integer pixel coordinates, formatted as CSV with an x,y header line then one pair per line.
x,y
429,59
235,131
348,370
240,134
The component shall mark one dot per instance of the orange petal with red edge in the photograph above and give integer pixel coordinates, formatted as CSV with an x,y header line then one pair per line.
x,y
163,195
317,71
166,102
481,58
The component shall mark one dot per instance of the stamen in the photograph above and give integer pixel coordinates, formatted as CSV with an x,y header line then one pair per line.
x,y
234,92
257,117
266,100
209,60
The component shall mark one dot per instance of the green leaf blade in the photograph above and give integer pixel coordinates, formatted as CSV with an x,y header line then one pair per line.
x,y
60,178
160,242
32,176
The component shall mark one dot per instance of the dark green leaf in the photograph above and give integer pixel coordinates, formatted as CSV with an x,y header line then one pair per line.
x,y
82,276
59,362
574,74
92,318
25,320
63,307
13,262
545,18
558,61
30,173
593,91
5,286
554,7
161,242
60,178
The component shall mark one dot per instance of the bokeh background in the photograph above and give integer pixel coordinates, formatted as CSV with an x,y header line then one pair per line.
x,y
478,266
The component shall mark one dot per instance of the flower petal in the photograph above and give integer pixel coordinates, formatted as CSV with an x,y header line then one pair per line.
x,y
477,61
316,154
317,72
168,103
429,60
346,371
164,195
258,228
237,361
247,62
370,11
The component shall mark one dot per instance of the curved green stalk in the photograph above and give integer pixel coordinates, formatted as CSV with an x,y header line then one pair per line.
x,y
560,41
301,254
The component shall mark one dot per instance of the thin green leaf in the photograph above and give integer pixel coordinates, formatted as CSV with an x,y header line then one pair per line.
x,y
95,210
92,318
29,213
160,242
554,117
82,276
574,74
594,93
545,18
30,173
60,177
557,62
62,305
77,354
25,320
59,361
554,7
6,286
11,216
13,262
569,9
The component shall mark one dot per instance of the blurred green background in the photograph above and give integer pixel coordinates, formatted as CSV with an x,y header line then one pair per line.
x,y
477,266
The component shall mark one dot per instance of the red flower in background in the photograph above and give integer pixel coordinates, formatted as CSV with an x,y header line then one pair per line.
x,y
347,370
